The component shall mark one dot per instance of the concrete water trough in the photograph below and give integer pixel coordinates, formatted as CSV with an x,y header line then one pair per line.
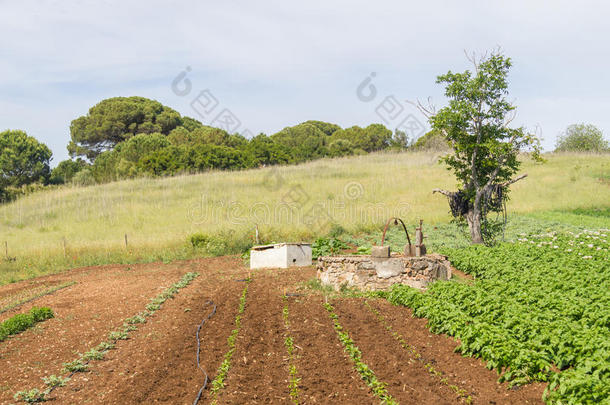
x,y
280,255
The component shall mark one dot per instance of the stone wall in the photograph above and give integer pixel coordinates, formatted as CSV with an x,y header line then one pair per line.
x,y
371,273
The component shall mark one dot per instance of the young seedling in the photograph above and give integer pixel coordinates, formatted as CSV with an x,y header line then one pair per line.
x,y
31,397
54,381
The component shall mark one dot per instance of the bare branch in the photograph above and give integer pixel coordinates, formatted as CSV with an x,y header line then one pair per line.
x,y
516,179
427,111
443,192
509,118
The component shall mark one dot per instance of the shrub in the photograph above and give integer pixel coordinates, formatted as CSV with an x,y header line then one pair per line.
x,y
432,141
84,178
327,247
582,138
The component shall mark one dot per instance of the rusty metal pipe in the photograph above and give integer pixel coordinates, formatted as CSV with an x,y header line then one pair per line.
x,y
395,223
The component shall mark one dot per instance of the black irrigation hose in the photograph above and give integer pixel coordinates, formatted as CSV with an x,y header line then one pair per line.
x,y
205,383
294,295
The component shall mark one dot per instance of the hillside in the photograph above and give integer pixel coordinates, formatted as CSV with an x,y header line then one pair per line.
x,y
75,226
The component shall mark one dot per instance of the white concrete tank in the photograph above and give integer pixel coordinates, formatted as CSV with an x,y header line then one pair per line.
x,y
280,255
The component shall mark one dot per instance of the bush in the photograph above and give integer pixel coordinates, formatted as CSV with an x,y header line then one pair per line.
x,y
327,247
66,170
582,138
432,141
83,178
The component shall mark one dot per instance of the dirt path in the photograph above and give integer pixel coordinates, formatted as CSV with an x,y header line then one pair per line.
x,y
465,372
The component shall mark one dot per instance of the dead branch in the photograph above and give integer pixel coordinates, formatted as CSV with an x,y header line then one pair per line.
x,y
516,179
443,192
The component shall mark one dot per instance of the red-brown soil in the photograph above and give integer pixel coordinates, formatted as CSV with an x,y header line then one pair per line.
x,y
157,363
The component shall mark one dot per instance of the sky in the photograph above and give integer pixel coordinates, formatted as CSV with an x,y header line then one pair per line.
x,y
274,64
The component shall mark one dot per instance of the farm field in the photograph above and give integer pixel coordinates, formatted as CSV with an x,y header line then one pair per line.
x,y
147,220
156,364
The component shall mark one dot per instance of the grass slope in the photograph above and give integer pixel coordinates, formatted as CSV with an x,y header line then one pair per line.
x,y
290,202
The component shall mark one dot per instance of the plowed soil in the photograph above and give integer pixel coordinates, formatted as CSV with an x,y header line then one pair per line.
x,y
157,363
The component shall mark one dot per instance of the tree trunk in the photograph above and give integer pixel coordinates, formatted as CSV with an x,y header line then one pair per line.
x,y
473,217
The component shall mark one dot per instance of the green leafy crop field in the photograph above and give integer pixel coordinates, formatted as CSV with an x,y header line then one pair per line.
x,y
537,310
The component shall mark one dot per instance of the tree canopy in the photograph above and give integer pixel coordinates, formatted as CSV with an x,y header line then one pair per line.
x,y
582,138
117,119
23,160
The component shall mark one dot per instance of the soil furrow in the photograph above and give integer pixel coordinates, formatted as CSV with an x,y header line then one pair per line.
x,y
327,374
157,364
258,371
407,381
468,373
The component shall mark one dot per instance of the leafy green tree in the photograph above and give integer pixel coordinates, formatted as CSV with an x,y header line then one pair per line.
x,y
370,139
262,151
117,119
325,127
66,170
305,141
476,123
582,138
131,151
166,161
191,124
23,160
400,140
432,141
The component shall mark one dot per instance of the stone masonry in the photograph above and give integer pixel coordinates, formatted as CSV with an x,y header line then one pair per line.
x,y
368,273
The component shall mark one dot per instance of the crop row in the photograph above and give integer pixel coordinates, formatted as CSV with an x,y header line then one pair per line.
x,y
221,374
539,310
34,295
461,393
294,380
20,322
369,377
81,364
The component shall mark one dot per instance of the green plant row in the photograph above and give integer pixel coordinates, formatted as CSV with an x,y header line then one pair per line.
x,y
221,374
461,393
81,364
40,294
369,377
294,380
539,310
20,322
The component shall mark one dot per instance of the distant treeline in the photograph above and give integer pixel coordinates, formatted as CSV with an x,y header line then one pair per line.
x,y
134,136
126,137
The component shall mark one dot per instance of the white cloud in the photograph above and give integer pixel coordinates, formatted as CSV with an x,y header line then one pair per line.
x,y
275,63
